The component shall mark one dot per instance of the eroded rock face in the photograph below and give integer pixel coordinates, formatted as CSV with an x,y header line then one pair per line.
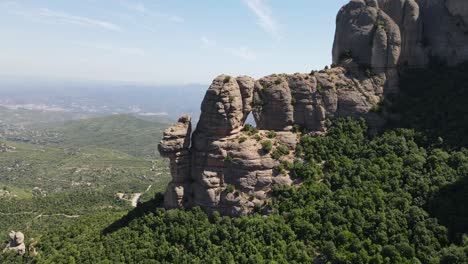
x,y
223,168
367,35
222,108
175,145
445,33
234,175
387,33
246,86
273,103
430,28
308,100
16,243
228,170
406,14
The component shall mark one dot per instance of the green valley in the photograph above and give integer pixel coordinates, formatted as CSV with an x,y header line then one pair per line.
x,y
55,180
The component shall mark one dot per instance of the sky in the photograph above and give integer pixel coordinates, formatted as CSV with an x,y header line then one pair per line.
x,y
163,41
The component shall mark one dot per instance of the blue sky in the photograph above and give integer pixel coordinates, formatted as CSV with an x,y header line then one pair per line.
x,y
164,42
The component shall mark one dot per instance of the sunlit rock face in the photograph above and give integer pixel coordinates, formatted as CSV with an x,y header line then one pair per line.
x,y
221,167
175,145
368,34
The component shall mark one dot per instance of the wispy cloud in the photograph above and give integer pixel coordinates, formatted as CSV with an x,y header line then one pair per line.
x,y
265,16
207,43
141,8
63,17
54,16
112,49
243,53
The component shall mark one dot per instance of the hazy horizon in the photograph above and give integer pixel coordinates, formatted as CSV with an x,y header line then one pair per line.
x,y
162,43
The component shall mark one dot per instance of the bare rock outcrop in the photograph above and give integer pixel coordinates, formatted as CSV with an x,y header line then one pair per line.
x,y
175,146
430,29
445,29
308,100
222,108
16,243
224,167
385,34
406,14
367,35
231,170
6,148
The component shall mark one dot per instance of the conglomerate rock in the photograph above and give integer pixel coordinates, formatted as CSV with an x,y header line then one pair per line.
x,y
308,100
406,14
368,35
175,145
430,29
229,169
223,168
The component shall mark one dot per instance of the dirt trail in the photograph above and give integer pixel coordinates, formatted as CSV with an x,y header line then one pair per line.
x,y
64,215
135,199
137,196
41,215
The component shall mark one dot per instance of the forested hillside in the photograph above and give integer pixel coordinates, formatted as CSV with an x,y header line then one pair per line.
x,y
398,196
374,200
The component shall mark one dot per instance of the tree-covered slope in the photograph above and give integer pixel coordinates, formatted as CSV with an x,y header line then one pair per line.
x,y
367,203
394,197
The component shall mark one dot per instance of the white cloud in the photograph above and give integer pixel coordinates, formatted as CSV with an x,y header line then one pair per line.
x,y
207,43
243,53
265,16
141,8
63,17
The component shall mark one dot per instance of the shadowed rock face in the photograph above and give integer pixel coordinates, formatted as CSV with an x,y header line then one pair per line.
x,y
416,29
223,168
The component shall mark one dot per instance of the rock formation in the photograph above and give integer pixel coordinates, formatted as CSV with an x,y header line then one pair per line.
x,y
387,33
223,168
16,243
368,35
227,168
6,148
175,145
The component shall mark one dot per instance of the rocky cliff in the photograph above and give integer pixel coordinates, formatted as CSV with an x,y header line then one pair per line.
x,y
386,33
224,166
